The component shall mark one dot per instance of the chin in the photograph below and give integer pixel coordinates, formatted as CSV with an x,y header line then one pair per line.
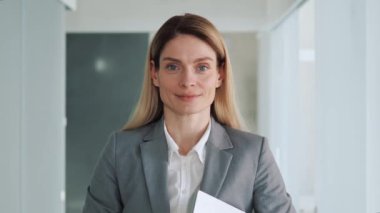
x,y
192,111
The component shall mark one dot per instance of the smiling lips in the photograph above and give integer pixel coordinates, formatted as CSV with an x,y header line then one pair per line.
x,y
188,97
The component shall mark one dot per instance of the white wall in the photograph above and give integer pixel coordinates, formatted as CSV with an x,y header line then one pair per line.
x,y
148,15
346,106
373,105
10,106
341,105
348,72
286,105
242,48
342,123
32,89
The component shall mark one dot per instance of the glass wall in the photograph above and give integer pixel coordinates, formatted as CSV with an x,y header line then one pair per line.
x,y
104,75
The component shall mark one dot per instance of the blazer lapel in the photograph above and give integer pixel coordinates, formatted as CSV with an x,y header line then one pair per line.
x,y
155,163
217,160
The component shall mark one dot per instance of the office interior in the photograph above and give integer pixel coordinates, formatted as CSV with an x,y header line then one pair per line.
x,y
307,76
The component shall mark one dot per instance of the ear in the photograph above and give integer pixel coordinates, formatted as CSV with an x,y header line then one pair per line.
x,y
154,73
221,76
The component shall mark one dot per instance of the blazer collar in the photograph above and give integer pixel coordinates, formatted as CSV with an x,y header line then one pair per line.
x,y
154,152
217,160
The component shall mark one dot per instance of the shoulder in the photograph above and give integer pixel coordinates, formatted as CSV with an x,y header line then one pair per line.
x,y
226,137
246,144
127,139
136,134
243,136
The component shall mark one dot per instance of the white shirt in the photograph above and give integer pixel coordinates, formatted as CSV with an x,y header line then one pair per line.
x,y
185,173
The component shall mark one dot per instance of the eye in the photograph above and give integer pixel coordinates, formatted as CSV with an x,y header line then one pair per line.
x,y
203,68
172,67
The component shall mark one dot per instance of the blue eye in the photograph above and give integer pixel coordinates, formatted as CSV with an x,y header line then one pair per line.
x,y
203,68
172,67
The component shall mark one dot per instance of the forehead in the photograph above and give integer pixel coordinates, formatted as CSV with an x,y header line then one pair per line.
x,y
187,47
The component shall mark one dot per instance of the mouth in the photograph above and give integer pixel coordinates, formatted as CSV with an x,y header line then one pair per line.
x,y
188,97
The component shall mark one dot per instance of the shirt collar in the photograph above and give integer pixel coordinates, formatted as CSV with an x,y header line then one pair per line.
x,y
199,147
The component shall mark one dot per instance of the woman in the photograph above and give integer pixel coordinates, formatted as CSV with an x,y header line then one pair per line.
x,y
184,136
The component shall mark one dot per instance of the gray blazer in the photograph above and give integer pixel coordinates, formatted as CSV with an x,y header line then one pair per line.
x,y
239,169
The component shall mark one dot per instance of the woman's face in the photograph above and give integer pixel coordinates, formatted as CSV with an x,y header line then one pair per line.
x,y
188,76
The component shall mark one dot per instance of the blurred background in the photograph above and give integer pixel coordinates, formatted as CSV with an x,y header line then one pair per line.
x,y
307,76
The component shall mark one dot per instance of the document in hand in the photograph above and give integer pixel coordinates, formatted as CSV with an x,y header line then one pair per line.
x,y
206,203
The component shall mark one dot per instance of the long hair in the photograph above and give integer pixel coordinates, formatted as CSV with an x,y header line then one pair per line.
x,y
150,107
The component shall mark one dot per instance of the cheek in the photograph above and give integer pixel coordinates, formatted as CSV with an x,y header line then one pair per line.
x,y
211,82
210,87
167,85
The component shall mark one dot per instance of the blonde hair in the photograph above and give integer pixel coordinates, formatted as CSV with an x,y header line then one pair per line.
x,y
150,107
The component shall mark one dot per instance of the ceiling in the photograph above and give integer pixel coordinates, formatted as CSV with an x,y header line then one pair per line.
x,y
148,15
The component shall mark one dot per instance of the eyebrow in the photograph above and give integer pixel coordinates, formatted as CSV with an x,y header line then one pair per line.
x,y
171,59
196,60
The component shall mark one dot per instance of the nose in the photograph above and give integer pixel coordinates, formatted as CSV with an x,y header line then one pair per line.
x,y
188,78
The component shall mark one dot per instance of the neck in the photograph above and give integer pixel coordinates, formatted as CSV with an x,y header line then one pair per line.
x,y
186,130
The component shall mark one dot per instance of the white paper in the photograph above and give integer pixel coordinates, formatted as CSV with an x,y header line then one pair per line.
x,y
206,203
